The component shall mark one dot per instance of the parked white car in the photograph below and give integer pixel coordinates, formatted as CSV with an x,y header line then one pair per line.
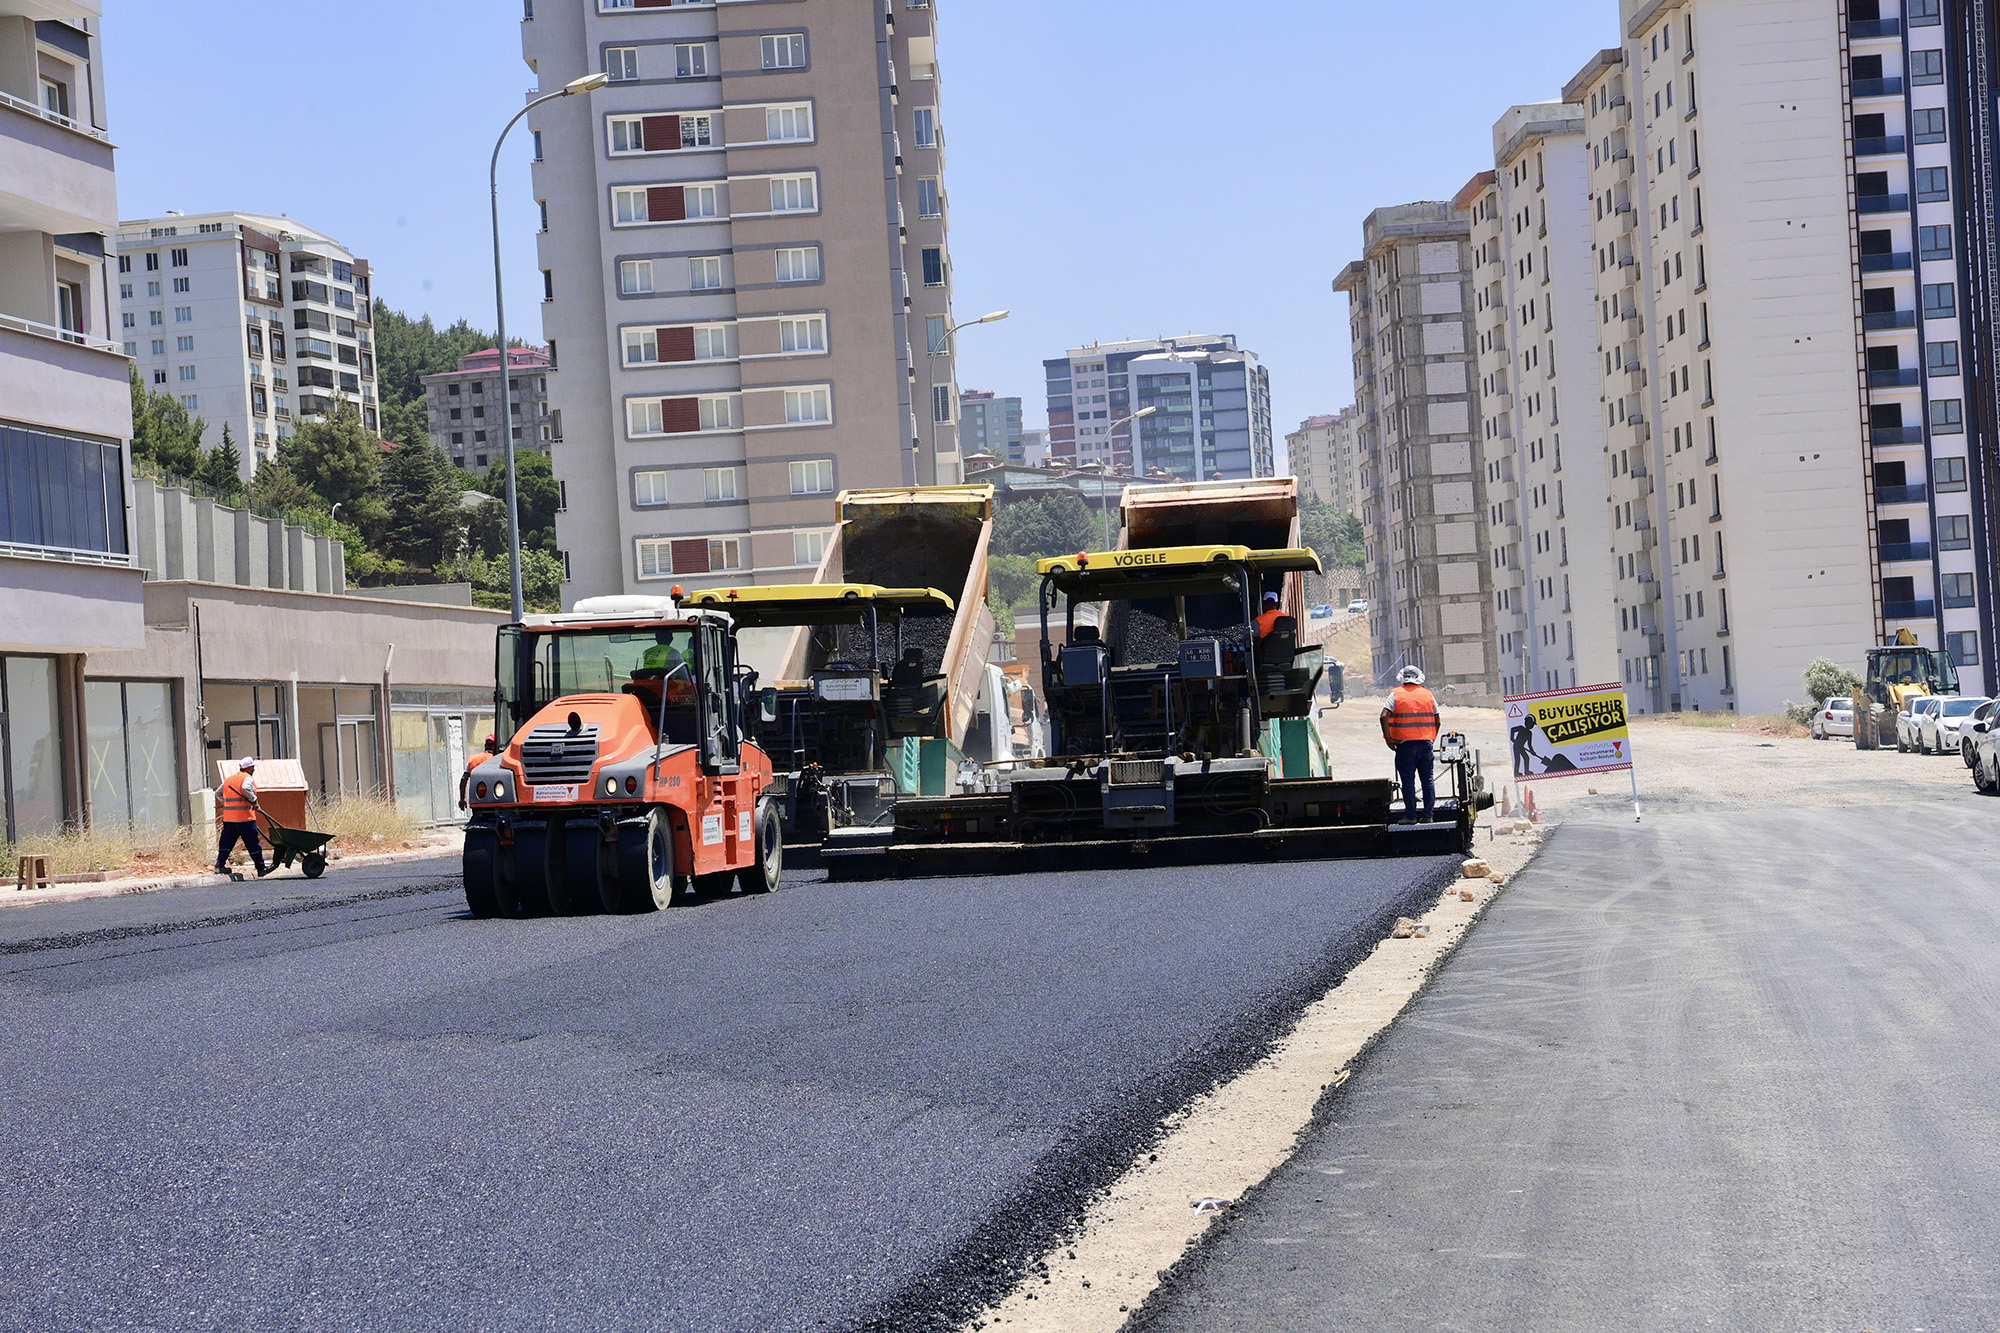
x,y
1357,606
1834,718
1911,719
1985,763
1938,730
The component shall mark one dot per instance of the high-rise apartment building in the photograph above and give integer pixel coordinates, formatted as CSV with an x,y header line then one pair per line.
x,y
746,278
462,407
1423,501
1323,456
1540,381
1213,400
989,425
68,583
256,322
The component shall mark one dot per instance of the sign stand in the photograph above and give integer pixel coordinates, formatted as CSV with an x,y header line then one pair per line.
x,y
1634,772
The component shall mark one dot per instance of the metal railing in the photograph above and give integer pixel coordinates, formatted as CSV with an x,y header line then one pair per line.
x,y
1894,495
29,326
53,117
69,555
1906,550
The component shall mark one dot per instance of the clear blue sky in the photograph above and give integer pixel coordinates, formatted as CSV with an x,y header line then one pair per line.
x,y
1117,168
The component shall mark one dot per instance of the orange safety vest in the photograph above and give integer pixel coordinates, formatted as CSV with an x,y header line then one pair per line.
x,y
1267,622
236,806
1414,714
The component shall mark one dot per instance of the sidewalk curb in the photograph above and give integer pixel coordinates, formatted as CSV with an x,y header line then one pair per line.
x,y
125,888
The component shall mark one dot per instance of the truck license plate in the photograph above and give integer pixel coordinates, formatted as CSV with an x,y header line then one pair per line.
x,y
556,794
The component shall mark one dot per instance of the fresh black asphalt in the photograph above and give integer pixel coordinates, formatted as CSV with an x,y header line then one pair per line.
x,y
1725,1070
348,1105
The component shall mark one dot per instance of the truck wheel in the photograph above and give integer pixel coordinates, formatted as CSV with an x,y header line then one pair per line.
x,y
482,881
763,876
646,879
583,872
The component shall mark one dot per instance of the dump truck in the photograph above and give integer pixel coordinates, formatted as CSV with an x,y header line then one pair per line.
x,y
1898,672
1161,693
624,783
851,692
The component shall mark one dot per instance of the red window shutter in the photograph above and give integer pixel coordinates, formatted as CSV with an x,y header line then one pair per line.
x,y
679,415
666,203
676,344
691,554
663,133
651,4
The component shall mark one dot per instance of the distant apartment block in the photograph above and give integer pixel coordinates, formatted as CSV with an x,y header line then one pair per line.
x,y
747,278
253,321
989,425
1542,432
1323,456
1213,402
1035,448
1423,484
462,407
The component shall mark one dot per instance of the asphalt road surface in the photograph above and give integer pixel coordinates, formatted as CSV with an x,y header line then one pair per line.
x,y
348,1105
1732,1071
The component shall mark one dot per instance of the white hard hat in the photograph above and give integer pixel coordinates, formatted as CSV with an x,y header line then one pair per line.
x,y
247,761
1410,675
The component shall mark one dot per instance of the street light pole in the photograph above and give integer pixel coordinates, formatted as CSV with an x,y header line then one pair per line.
x,y
588,83
1103,512
931,361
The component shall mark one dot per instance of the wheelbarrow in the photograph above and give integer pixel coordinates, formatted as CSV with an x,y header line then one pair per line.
x,y
303,844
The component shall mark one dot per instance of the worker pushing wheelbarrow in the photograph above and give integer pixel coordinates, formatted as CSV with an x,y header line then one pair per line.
x,y
274,805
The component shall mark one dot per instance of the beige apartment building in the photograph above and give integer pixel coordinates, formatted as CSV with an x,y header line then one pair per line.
x,y
1423,484
747,278
1323,456
1540,382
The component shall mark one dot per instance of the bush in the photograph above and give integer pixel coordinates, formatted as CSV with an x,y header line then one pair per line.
x,y
1825,679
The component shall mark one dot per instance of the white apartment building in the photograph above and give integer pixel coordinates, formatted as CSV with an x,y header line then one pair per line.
x,y
1213,401
1423,477
1540,382
1322,455
251,320
746,278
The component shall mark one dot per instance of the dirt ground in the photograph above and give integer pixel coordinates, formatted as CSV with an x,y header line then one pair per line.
x,y
1685,761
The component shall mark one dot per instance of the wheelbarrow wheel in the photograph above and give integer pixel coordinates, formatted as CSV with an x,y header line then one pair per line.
x,y
314,864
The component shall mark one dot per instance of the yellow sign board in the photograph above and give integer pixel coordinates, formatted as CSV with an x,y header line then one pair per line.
x,y
1561,733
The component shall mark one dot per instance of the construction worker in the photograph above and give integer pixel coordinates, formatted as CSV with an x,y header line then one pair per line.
x,y
238,800
679,683
1268,621
465,778
1410,727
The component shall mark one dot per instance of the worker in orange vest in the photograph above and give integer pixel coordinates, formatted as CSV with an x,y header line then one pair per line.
x,y
238,800
1410,727
1268,621
465,778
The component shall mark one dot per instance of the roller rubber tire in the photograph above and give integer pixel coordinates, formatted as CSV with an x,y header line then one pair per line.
x,y
531,877
482,873
764,875
583,872
646,880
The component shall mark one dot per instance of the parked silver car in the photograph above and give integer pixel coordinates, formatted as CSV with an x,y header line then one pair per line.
x,y
1984,713
1910,719
1834,718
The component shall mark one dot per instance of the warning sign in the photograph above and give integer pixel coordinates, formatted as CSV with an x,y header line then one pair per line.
x,y
1565,732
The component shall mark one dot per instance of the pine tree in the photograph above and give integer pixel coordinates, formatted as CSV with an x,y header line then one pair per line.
x,y
537,492
337,457
163,433
421,492
222,468
278,489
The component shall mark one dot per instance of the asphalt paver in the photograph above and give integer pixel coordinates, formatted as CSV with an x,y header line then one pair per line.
x,y
349,1105
1723,1070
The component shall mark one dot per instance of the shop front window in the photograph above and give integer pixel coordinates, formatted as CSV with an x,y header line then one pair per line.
x,y
132,754
31,746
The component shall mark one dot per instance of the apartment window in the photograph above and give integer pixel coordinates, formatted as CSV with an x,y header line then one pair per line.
x,y
131,349
621,63
535,138
649,488
933,259
160,376
785,51
191,402
1948,474
788,122
802,335
1940,301
130,320
808,548
548,285
717,412
1927,67
631,205
1920,13
1947,416
813,477
153,288
628,134
1934,242
183,314
792,194
1933,184
656,558
184,343
697,132
941,402
711,342
725,553
642,347
807,405
705,272
178,258
125,291
691,61
936,330
643,416
1957,590
1927,125
543,205
153,262
635,276
124,263
925,121
1941,358
718,483
181,284
928,203
187,374
1963,645
800,265
1954,533
159,347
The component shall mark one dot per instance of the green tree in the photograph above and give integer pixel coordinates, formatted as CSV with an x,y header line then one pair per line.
x,y
1046,525
221,468
541,579
425,521
338,457
164,434
1335,535
277,488
1826,679
408,349
537,493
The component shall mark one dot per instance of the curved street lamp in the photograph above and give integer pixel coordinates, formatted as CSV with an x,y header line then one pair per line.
x,y
916,479
588,83
1103,511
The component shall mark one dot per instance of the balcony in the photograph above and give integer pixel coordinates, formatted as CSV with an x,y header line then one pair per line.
x,y
1860,28
1888,146
1889,319
1921,609
1882,203
1890,87
1892,379
1905,551
1885,263
1902,495
1887,435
